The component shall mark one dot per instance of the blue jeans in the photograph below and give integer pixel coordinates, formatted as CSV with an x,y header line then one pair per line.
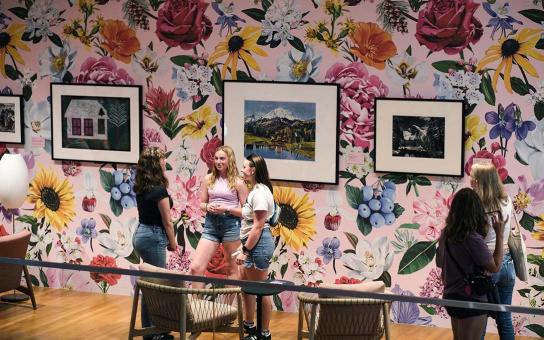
x,y
150,242
221,228
505,280
262,252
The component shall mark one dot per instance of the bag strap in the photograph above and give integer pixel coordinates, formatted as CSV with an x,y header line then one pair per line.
x,y
455,261
513,216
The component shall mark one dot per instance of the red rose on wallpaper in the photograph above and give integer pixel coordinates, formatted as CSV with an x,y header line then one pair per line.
x,y
102,71
208,151
498,161
183,23
344,280
217,266
104,280
448,25
3,231
71,168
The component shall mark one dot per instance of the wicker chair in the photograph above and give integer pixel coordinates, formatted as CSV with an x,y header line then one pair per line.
x,y
173,307
343,318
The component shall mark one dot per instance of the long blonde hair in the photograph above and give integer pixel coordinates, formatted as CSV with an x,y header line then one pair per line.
x,y
232,169
149,170
489,186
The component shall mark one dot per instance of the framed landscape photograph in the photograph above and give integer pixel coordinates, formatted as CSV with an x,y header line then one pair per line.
x,y
11,119
419,136
96,123
293,126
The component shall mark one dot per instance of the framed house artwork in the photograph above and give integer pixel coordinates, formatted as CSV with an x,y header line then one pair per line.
x,y
419,136
11,119
293,126
96,123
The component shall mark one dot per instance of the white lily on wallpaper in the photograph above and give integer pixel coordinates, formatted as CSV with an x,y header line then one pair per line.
x,y
369,260
90,193
118,242
334,210
37,125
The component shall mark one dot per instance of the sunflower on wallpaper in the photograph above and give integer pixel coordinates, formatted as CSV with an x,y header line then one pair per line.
x,y
297,220
53,199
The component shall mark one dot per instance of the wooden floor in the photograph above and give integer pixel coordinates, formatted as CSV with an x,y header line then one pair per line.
x,y
63,314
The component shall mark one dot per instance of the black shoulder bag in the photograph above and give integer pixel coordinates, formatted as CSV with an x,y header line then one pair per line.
x,y
477,282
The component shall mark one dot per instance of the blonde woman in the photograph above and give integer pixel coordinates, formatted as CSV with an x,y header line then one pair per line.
x,y
485,181
222,192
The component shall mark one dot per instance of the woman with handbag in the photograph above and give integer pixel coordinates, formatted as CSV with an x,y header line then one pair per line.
x,y
485,181
464,255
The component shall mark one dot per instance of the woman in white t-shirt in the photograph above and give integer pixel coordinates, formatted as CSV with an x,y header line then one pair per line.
x,y
484,179
257,240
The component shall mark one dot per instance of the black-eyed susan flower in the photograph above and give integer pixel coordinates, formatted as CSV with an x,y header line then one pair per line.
x,y
297,219
53,199
512,49
10,40
239,45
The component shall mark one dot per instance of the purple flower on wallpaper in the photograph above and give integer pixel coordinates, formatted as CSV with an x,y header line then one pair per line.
x,y
227,18
6,90
522,128
87,230
503,122
3,18
434,289
8,213
500,18
329,250
527,198
406,312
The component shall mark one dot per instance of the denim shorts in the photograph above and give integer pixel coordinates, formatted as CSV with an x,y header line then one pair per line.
x,y
221,228
261,254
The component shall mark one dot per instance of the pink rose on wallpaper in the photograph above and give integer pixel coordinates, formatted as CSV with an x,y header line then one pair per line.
x,y
448,25
358,91
498,161
186,197
102,71
431,215
183,23
208,151
152,137
71,168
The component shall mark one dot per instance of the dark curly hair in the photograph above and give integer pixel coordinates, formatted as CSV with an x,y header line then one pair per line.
x,y
149,172
466,215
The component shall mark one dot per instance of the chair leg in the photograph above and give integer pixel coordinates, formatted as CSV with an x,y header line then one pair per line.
x,y
386,321
240,316
29,285
300,320
312,322
135,301
183,318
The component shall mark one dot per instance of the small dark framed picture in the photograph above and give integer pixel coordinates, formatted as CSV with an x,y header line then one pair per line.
x,y
419,136
11,119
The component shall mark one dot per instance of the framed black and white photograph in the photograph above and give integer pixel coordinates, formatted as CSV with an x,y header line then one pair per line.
x,y
11,119
293,126
96,123
419,136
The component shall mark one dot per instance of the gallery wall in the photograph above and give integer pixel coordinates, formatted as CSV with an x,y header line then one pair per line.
x,y
489,53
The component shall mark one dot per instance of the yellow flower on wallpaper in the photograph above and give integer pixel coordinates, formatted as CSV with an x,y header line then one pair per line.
x,y
539,235
473,130
297,218
239,46
10,39
512,49
53,199
199,122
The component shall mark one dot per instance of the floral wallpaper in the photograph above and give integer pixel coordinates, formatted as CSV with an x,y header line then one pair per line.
x,y
370,226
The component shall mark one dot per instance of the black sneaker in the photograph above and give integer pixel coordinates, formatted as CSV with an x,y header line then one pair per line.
x,y
263,337
251,330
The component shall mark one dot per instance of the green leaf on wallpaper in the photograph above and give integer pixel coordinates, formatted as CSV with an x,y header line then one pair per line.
x,y
508,180
168,167
537,260
396,178
539,110
243,76
486,88
344,143
540,43
20,12
48,248
409,50
193,237
284,269
346,174
354,196
134,257
275,43
199,103
28,219
106,180
255,14
27,93
116,207
214,130
398,210
535,15
55,39
446,65
385,278
43,278
181,60
11,72
34,280
277,302
262,40
527,222
364,226
417,257
423,181
29,3
524,292
266,4
216,82
352,239
429,310
516,156
538,329
297,43
349,251
481,142
519,86
409,226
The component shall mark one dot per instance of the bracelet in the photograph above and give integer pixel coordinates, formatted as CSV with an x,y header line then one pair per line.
x,y
245,250
206,207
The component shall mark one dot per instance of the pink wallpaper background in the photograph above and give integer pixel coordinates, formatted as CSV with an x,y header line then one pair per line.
x,y
489,53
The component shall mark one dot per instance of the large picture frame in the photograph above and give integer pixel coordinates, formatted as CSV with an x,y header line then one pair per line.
x,y
294,126
419,136
12,128
96,123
